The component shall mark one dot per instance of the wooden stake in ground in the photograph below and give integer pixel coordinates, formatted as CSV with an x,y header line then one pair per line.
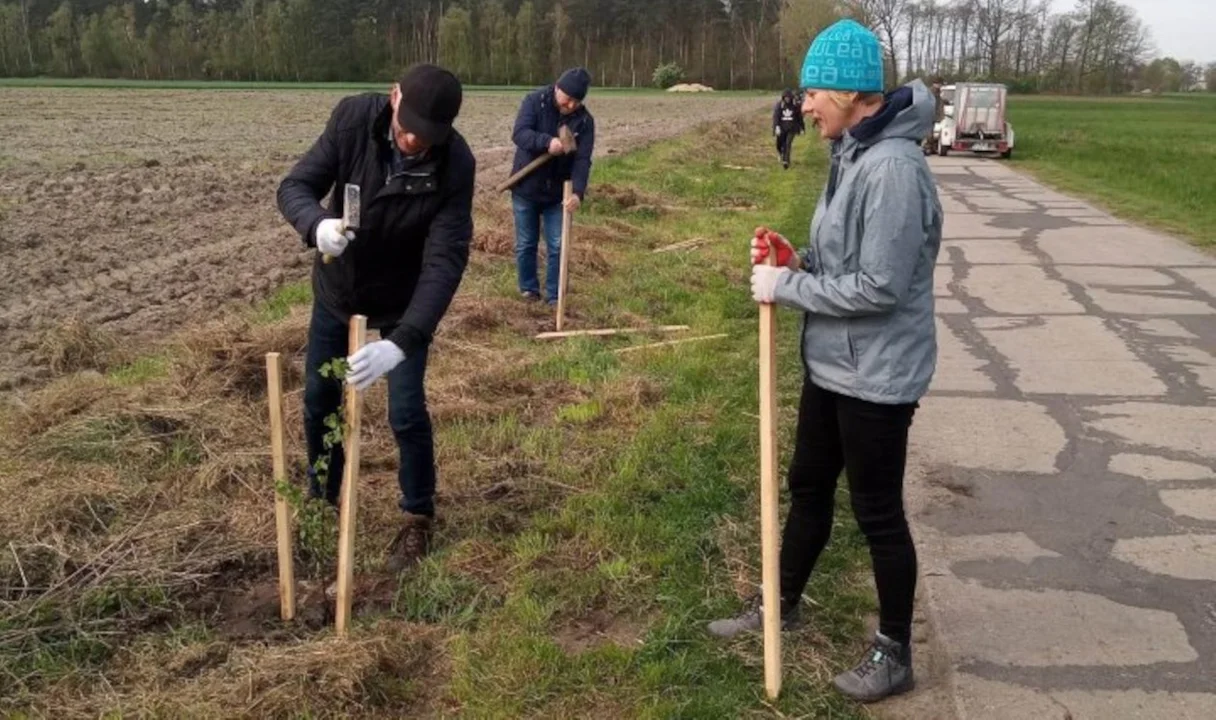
x,y
567,193
282,513
350,483
771,598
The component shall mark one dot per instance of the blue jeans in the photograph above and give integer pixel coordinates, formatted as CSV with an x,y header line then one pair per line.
x,y
528,217
407,415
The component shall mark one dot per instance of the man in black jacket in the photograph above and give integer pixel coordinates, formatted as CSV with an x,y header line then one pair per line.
x,y
787,122
400,268
539,195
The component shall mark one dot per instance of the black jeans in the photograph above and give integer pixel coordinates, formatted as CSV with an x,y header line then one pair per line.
x,y
785,144
870,442
407,415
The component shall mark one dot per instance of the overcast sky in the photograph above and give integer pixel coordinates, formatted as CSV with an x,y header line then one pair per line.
x,y
1182,29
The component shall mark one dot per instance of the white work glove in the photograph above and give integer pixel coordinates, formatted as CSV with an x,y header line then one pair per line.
x,y
777,130
764,282
372,361
330,238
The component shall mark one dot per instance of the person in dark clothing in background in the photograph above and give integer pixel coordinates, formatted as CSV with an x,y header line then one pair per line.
x,y
538,197
787,122
400,268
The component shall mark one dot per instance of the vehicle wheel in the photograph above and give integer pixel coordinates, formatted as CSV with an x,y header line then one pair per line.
x,y
943,149
1007,154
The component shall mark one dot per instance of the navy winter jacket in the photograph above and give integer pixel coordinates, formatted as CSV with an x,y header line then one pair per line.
x,y
535,126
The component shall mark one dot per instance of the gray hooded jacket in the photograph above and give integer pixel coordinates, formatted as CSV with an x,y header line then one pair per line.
x,y
869,330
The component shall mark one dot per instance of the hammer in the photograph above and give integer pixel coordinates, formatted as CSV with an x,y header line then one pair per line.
x,y
568,146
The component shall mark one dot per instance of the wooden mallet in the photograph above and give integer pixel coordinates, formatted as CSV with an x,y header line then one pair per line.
x,y
568,146
769,547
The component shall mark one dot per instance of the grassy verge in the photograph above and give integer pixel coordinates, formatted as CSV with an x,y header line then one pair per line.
x,y
597,508
1150,161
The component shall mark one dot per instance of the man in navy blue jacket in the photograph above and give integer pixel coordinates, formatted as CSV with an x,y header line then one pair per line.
x,y
538,197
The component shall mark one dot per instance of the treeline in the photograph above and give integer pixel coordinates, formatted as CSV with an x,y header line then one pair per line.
x,y
1100,46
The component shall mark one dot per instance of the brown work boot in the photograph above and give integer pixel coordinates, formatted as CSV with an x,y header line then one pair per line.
x,y
411,544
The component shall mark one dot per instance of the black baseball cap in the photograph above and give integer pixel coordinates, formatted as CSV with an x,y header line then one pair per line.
x,y
430,101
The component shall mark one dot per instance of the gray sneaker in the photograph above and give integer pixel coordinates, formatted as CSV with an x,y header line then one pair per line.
x,y
885,670
750,620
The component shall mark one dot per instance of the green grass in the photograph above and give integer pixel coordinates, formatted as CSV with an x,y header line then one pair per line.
x,y
665,489
1151,161
280,302
142,369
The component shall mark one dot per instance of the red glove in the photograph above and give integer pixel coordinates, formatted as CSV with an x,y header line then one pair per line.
x,y
766,239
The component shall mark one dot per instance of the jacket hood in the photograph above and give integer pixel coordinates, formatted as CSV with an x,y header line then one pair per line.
x,y
907,112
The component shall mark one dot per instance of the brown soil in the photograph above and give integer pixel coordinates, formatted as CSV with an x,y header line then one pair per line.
x,y
121,220
599,628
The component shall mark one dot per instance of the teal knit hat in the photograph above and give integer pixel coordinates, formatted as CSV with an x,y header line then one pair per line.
x,y
845,56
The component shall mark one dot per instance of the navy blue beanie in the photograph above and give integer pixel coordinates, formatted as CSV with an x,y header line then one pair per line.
x,y
575,82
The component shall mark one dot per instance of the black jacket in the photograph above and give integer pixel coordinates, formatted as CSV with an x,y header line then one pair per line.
x,y
535,126
412,247
788,116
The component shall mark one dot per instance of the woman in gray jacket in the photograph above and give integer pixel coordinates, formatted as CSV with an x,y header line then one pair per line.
x,y
865,285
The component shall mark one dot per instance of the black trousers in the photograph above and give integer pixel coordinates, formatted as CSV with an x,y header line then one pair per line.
x,y
785,144
407,416
870,443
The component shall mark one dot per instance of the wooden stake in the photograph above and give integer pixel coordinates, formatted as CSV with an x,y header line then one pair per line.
x,y
567,193
282,513
350,482
682,245
610,331
769,547
665,343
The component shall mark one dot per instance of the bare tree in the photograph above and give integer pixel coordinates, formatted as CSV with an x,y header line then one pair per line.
x,y
994,20
887,16
911,15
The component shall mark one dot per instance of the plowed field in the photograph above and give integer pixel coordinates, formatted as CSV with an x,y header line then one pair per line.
x,y
137,211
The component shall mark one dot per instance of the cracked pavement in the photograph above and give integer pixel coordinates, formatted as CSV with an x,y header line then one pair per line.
x,y
1062,469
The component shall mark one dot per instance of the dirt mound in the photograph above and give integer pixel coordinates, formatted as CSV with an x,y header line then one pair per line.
x,y
228,357
625,197
689,88
385,665
495,240
74,345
